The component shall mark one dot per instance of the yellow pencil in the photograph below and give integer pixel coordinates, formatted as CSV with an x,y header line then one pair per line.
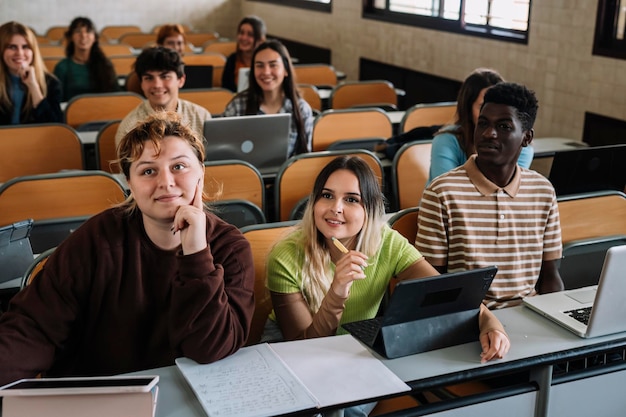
x,y
339,245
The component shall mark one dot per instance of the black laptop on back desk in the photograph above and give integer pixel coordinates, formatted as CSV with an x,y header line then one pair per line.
x,y
198,76
427,313
589,169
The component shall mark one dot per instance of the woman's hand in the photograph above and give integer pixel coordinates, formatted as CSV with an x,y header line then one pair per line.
x,y
27,75
191,222
348,268
495,345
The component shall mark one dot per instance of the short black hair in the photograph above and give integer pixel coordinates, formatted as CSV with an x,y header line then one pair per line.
x,y
159,58
518,96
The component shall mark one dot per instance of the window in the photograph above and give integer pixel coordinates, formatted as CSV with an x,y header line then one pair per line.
x,y
610,37
501,19
320,5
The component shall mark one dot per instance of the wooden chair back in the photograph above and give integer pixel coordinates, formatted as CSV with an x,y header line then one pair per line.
x,y
198,39
51,61
311,95
225,48
363,93
138,40
87,108
236,180
42,40
65,194
52,51
133,84
208,58
123,64
212,99
35,267
333,125
405,222
185,27
592,215
409,173
38,149
114,32
320,75
56,33
112,49
105,148
296,176
428,115
262,238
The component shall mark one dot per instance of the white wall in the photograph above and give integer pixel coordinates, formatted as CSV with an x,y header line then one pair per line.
x,y
215,15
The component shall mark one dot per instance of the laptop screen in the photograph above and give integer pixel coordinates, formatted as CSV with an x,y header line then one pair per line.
x,y
261,140
198,76
16,253
589,169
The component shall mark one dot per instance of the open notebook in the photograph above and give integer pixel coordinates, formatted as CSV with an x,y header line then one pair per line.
x,y
590,311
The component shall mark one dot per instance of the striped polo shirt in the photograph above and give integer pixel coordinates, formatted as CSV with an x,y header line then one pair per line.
x,y
467,222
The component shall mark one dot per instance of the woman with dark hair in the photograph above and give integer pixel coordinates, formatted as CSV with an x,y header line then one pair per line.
x,y
28,92
250,33
272,89
85,69
453,144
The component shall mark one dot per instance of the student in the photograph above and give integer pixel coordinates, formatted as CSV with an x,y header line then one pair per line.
x,y
85,69
453,144
162,74
169,36
273,90
173,37
251,33
315,286
492,211
140,284
28,92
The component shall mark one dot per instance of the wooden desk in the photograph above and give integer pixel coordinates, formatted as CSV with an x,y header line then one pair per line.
x,y
538,348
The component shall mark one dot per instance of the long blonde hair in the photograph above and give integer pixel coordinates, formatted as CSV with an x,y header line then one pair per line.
x,y
316,269
7,31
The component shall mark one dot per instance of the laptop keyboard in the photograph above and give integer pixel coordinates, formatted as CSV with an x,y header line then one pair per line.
x,y
580,314
365,330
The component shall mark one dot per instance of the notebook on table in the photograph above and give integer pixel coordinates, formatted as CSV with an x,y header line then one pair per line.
x,y
198,76
261,140
589,169
16,254
427,313
590,311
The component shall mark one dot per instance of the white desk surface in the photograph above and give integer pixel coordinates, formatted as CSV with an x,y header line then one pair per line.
x,y
547,146
532,337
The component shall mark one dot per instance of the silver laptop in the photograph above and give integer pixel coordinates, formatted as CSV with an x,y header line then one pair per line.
x,y
602,307
262,140
243,79
16,253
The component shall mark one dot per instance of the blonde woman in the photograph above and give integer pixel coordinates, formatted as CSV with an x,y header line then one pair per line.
x,y
28,92
316,285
